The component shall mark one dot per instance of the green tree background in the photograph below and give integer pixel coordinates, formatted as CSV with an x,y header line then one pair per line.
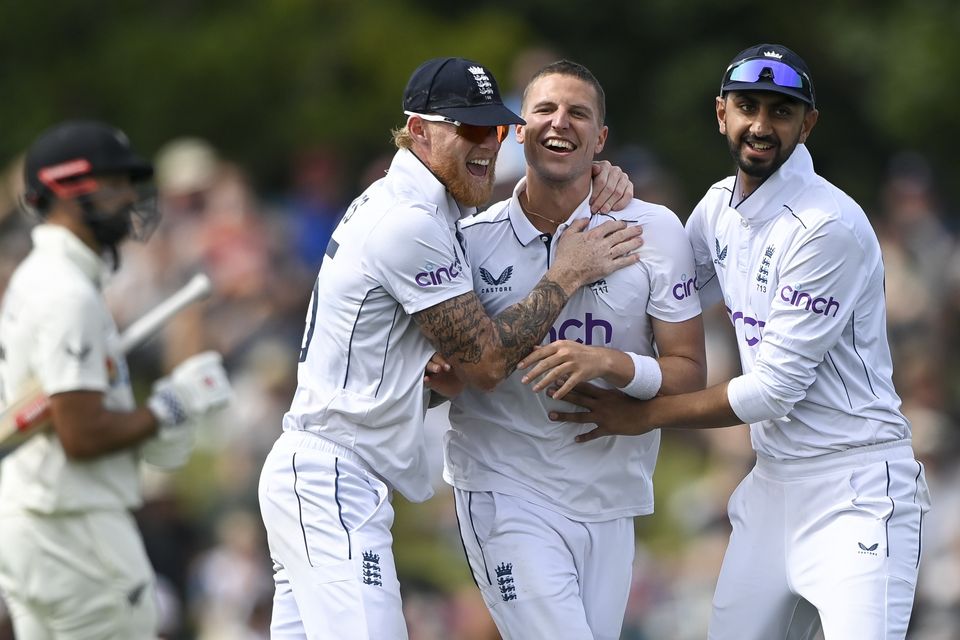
x,y
263,79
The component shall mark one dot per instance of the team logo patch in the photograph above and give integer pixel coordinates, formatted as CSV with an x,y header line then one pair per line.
x,y
483,81
721,254
487,277
134,595
496,282
79,353
763,273
508,591
868,551
371,569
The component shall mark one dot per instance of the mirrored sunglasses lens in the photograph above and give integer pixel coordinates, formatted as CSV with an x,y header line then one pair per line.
x,y
502,132
473,133
778,72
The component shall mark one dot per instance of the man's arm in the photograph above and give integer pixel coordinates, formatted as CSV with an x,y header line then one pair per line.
x,y
483,350
616,413
87,430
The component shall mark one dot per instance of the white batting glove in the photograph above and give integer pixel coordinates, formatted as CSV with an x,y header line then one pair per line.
x,y
197,386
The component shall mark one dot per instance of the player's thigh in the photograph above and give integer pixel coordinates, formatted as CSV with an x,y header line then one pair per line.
x,y
522,562
753,600
605,567
84,576
328,525
863,557
285,620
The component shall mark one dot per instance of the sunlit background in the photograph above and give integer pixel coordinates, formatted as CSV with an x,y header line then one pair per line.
x,y
266,118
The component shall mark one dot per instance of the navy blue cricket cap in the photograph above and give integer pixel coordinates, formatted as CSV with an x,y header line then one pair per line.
x,y
460,89
769,67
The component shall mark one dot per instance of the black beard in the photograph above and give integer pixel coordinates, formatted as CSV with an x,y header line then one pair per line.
x,y
110,230
761,171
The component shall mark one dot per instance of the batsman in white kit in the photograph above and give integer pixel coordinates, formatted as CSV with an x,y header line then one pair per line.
x,y
392,290
546,523
827,525
72,563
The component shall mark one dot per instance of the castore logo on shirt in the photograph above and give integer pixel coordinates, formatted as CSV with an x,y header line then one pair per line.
x,y
721,254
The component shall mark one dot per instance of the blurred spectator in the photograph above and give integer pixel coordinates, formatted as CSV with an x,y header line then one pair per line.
x,y
229,581
314,204
14,224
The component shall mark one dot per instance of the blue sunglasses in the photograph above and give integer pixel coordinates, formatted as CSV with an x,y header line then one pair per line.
x,y
767,70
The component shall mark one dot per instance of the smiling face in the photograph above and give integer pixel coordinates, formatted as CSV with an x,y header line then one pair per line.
x,y
564,129
466,168
762,130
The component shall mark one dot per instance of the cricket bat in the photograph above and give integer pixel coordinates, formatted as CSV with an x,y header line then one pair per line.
x,y
30,411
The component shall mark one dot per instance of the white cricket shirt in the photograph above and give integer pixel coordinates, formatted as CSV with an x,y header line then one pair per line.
x,y
360,378
801,275
503,441
55,326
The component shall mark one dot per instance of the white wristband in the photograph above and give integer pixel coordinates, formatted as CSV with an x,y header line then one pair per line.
x,y
647,377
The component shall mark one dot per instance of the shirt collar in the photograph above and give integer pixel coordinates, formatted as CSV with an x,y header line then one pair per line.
x,y
522,226
776,190
59,241
417,179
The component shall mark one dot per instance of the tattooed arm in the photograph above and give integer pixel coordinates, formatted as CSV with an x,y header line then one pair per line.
x,y
483,350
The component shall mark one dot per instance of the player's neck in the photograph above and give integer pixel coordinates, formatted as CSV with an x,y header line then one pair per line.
x,y
549,205
746,185
71,222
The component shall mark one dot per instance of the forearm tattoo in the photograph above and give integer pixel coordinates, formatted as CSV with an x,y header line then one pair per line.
x,y
461,331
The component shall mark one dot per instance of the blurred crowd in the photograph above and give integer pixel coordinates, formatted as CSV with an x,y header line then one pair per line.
x,y
202,526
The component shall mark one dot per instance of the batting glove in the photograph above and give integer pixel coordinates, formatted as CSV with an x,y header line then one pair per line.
x,y
196,387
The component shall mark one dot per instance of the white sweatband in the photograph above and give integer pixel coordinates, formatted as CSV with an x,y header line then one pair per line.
x,y
647,377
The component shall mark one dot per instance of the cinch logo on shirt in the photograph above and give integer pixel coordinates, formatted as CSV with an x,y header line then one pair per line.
x,y
433,275
752,328
803,300
685,287
582,331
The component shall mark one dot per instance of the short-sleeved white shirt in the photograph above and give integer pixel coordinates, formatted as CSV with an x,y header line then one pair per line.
x,y
360,378
503,441
800,272
55,327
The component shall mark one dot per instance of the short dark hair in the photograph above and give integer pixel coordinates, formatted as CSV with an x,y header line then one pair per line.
x,y
574,70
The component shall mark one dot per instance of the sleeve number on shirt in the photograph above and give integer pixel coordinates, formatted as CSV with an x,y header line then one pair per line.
x,y
311,322
332,247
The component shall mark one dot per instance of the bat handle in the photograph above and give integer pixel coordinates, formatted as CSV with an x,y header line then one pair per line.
x,y
197,288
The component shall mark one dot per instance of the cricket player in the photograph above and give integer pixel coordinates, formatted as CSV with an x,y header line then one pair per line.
x,y
393,289
72,563
826,527
547,524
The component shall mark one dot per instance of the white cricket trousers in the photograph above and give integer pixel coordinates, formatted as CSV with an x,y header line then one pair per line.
x,y
328,519
82,576
543,575
832,540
